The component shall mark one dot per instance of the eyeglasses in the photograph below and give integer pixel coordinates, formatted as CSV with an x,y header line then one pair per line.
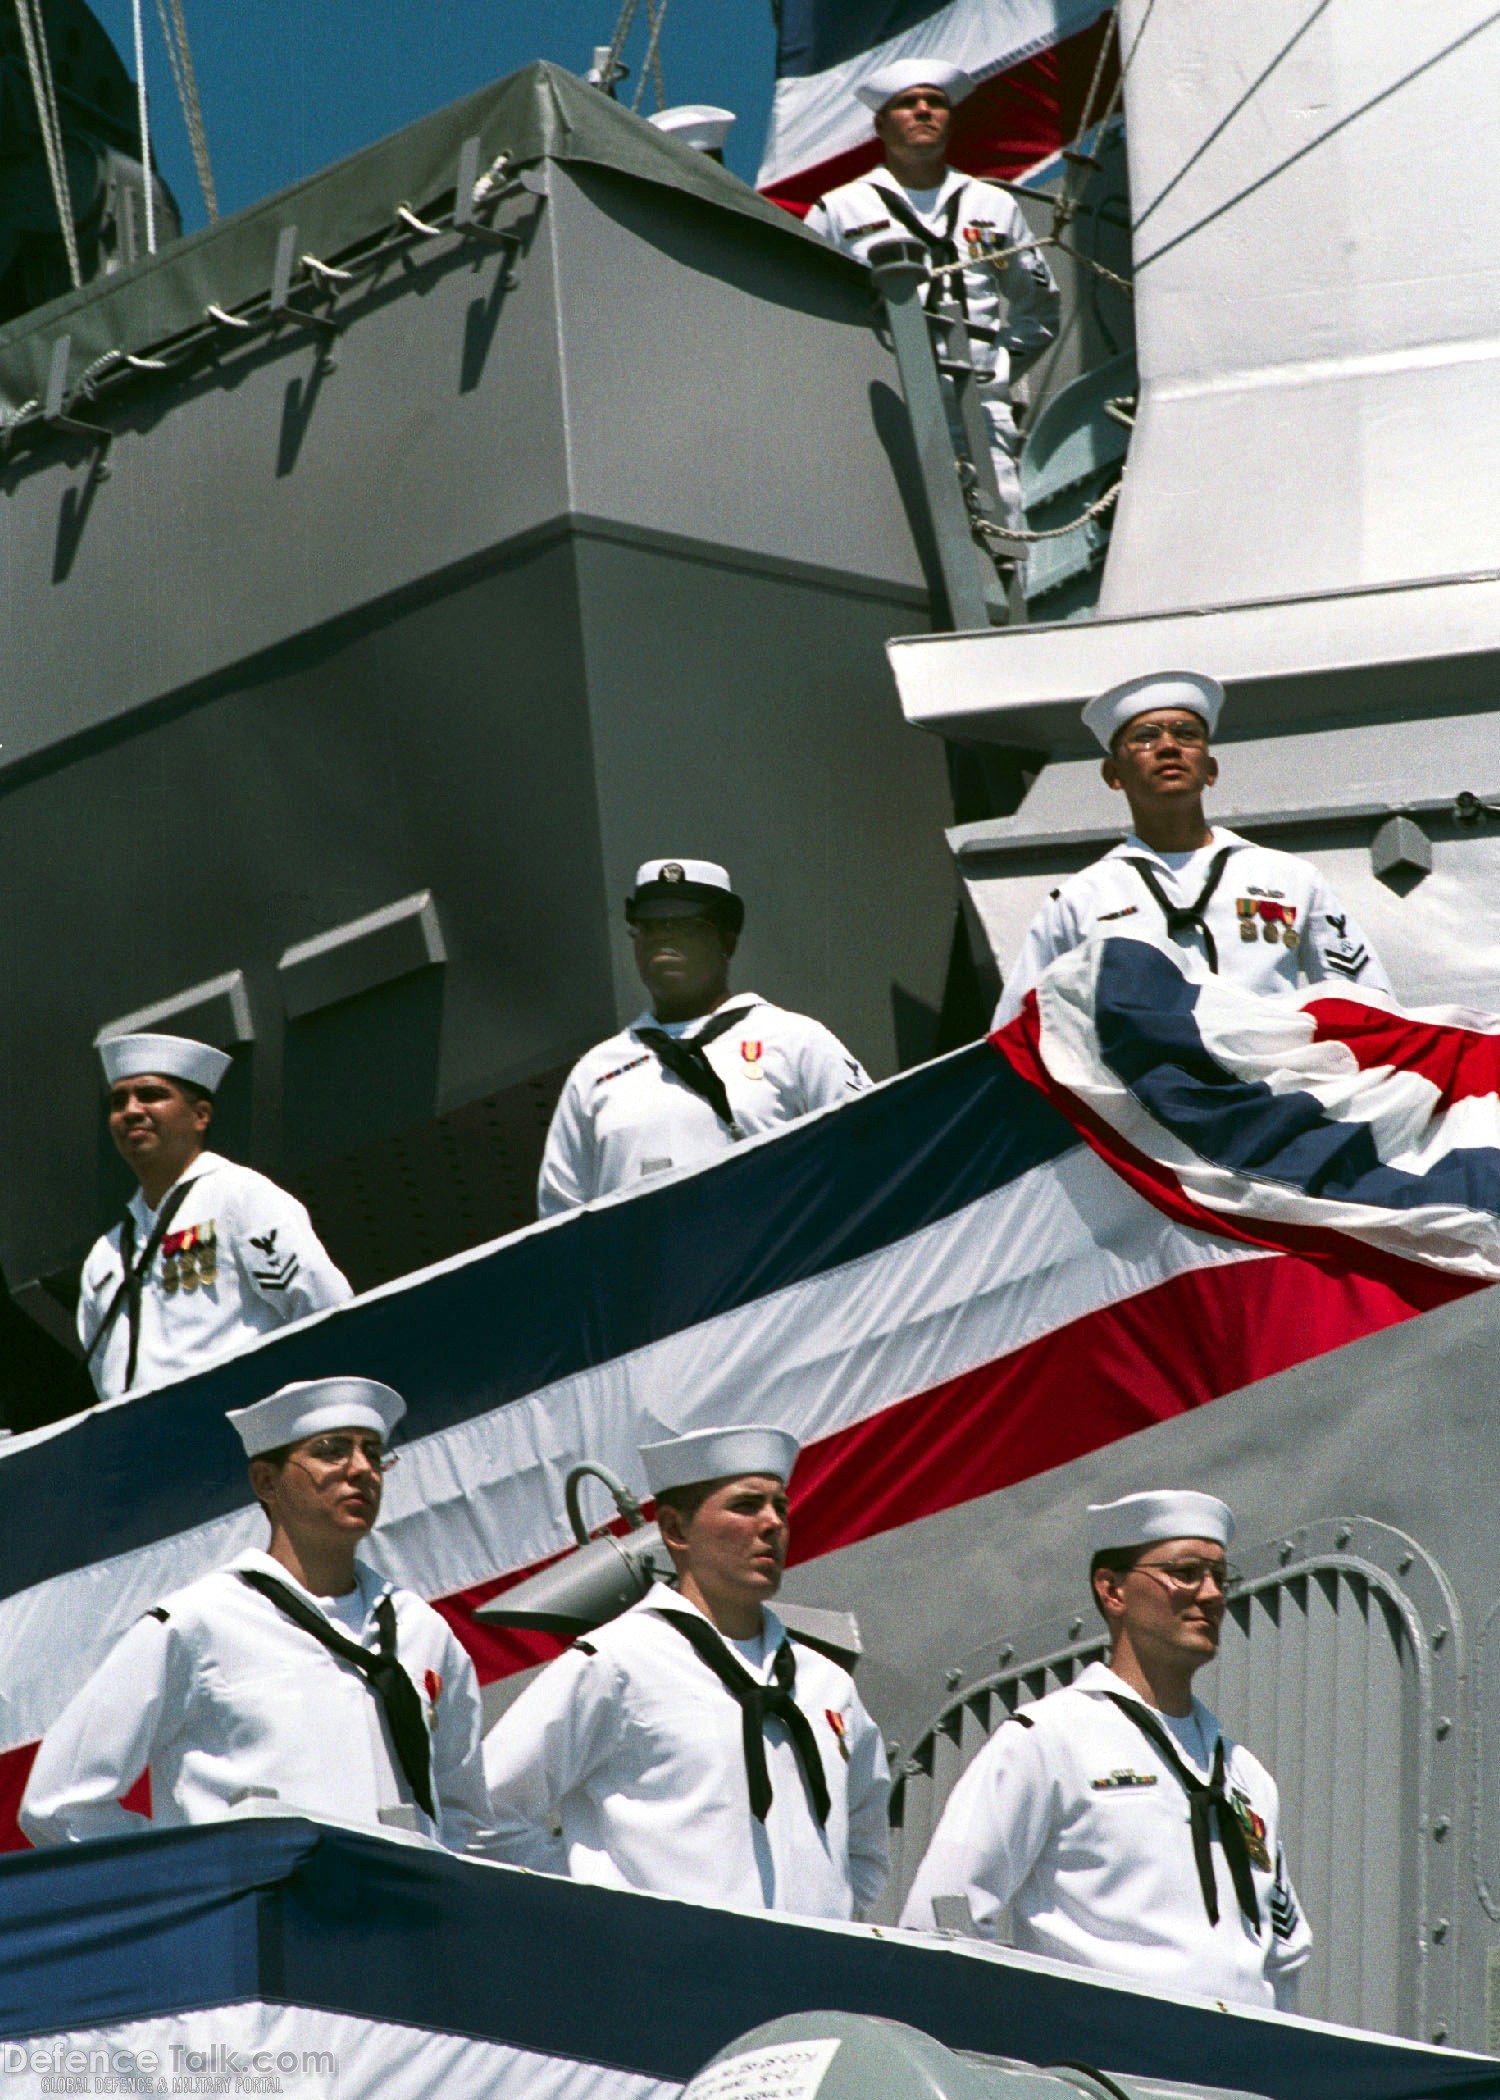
x,y
336,1454
1151,733
1190,1575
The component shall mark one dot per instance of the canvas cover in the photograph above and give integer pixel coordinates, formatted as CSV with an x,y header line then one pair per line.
x,y
540,114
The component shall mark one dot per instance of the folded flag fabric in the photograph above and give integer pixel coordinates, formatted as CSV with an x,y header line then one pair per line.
x,y
1324,1112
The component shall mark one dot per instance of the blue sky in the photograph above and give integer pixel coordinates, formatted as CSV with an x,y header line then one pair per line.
x,y
290,85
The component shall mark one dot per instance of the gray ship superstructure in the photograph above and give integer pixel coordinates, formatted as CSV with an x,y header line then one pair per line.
x,y
366,633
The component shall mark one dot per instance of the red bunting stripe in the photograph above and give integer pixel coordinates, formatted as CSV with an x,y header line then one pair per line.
x,y
1060,1397
1462,1063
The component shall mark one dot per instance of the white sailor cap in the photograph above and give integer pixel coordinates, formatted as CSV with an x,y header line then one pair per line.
x,y
876,89
312,1406
1163,1513
680,889
719,1454
173,1056
1107,715
696,124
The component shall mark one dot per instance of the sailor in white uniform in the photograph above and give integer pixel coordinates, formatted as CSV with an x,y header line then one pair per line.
x,y
691,1746
1123,1828
209,1254
655,1095
294,1681
1010,307
1261,918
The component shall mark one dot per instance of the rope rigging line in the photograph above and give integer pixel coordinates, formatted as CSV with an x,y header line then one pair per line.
x,y
994,256
185,80
1096,509
1093,263
656,15
1111,32
1066,204
96,371
49,123
617,45
138,27
1129,58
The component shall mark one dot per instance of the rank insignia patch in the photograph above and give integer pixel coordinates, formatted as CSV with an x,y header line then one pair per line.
x,y
1346,957
1285,1917
840,1728
272,1270
1122,1777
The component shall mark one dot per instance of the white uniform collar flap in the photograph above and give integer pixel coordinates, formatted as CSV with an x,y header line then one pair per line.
x,y
662,1597
1100,1678
372,1586
1132,847
737,1003
145,1217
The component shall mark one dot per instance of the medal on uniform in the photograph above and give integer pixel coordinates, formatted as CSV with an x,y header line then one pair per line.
x,y
190,1259
752,1050
1254,1827
840,1729
1278,923
1245,909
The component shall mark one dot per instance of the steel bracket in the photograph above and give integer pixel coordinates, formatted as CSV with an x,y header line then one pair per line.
x,y
54,411
281,306
465,217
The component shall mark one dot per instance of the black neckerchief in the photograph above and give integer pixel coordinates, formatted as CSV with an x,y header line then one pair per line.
x,y
941,247
686,1059
380,1669
129,1293
759,1703
1206,1799
1181,918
